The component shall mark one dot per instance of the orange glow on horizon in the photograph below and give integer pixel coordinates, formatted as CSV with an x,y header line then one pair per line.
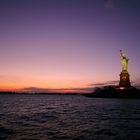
x,y
52,87
63,83
18,83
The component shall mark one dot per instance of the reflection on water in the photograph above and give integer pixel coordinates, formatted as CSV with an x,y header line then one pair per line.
x,y
63,117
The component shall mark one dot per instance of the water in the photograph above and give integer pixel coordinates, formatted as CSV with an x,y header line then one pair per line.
x,y
68,117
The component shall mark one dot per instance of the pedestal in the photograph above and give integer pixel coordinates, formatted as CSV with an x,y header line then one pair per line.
x,y
124,79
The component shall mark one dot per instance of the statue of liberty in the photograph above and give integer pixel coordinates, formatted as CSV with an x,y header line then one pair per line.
x,y
124,62
124,75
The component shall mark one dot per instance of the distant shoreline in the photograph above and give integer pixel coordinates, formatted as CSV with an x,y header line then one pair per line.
x,y
30,93
115,92
106,92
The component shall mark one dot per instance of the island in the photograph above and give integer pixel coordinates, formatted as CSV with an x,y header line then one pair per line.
x,y
122,90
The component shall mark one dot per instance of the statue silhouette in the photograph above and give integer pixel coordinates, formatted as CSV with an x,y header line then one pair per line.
x,y
124,61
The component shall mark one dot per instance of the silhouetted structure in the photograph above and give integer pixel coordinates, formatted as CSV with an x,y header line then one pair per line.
x,y
124,80
123,90
124,75
112,92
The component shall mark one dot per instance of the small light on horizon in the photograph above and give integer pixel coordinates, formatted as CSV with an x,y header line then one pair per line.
x,y
121,88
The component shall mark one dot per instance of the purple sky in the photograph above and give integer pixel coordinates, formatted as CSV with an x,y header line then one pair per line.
x,y
67,43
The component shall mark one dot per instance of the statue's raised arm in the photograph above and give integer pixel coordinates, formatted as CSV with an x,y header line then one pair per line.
x,y
121,53
124,61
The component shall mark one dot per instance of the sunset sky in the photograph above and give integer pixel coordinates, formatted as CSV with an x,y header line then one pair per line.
x,y
67,45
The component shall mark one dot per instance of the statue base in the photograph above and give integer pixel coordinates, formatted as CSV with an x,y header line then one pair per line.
x,y
124,80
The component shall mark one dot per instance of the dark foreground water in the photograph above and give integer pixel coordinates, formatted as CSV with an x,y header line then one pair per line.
x,y
68,117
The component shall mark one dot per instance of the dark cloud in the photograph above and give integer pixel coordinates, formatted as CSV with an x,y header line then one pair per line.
x,y
61,90
135,83
34,89
105,83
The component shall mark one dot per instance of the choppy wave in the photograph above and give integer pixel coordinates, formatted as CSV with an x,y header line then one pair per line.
x,y
62,117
